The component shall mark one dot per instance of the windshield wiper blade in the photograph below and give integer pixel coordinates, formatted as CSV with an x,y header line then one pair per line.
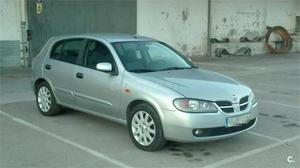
x,y
142,70
175,68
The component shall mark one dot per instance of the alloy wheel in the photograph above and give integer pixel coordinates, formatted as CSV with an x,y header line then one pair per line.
x,y
143,128
44,99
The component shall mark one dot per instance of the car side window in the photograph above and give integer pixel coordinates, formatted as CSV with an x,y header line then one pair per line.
x,y
96,52
56,50
67,51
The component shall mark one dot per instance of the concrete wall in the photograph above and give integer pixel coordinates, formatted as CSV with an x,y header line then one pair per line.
x,y
298,8
180,23
10,29
282,12
10,18
236,18
166,21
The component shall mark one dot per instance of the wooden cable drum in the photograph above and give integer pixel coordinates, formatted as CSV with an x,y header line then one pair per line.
x,y
286,40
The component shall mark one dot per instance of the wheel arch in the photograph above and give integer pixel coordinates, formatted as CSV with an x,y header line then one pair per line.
x,y
39,81
149,102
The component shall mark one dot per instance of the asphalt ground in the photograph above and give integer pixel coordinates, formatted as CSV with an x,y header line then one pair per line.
x,y
76,139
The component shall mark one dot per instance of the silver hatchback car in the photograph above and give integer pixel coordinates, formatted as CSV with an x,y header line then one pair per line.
x,y
143,83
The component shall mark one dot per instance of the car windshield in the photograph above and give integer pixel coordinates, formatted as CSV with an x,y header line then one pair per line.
x,y
150,56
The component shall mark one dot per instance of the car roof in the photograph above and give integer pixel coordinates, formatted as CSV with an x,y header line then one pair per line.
x,y
110,37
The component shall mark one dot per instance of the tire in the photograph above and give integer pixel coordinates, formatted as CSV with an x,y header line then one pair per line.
x,y
146,133
46,101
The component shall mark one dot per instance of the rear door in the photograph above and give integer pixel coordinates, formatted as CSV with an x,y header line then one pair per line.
x,y
60,68
96,90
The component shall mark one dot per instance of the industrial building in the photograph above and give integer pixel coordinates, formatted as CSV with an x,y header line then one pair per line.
x,y
188,25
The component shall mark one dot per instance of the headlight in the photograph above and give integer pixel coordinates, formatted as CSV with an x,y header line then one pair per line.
x,y
195,106
253,102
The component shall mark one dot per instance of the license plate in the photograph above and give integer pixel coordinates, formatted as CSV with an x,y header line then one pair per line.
x,y
239,120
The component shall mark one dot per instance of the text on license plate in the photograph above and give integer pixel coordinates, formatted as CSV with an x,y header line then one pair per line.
x,y
239,120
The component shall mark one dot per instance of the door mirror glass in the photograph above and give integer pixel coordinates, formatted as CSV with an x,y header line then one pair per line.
x,y
104,66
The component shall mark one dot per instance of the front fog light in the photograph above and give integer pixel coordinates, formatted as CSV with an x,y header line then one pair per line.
x,y
197,132
194,105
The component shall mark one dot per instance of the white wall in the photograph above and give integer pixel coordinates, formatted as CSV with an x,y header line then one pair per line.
x,y
163,19
282,12
249,18
180,23
235,18
298,8
10,19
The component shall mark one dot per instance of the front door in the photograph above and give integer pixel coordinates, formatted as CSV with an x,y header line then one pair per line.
x,y
95,90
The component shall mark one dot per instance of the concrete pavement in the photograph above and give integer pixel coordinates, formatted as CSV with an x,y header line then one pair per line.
x,y
76,139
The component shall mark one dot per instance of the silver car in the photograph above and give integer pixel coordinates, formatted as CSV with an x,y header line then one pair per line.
x,y
143,83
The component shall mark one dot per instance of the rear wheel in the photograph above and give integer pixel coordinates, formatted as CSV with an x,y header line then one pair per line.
x,y
145,128
46,101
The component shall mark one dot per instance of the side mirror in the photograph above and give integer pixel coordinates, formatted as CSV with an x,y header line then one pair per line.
x,y
104,66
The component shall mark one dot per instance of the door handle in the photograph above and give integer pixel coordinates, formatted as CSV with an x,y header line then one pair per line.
x,y
47,66
79,75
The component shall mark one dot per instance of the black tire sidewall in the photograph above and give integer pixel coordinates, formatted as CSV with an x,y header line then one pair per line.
x,y
159,139
54,107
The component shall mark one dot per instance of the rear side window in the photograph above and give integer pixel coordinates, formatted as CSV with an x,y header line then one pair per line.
x,y
56,50
67,51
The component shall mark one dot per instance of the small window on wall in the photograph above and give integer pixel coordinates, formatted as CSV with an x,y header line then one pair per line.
x,y
297,29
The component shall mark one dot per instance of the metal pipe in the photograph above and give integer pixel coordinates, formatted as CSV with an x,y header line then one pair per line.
x,y
209,29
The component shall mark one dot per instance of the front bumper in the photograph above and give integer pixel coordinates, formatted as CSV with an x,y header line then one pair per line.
x,y
179,126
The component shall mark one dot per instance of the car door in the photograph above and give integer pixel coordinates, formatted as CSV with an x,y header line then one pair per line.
x,y
59,68
96,90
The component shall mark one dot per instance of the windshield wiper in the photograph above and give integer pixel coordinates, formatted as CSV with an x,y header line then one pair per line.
x,y
175,68
142,70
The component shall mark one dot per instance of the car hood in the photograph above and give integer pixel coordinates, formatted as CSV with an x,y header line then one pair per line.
x,y
198,84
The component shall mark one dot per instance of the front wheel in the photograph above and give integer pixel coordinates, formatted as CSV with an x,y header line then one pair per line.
x,y
145,128
46,101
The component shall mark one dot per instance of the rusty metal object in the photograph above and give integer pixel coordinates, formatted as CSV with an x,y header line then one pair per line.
x,y
285,37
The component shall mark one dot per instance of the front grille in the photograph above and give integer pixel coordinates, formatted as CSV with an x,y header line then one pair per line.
x,y
227,106
206,132
223,103
244,103
244,99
